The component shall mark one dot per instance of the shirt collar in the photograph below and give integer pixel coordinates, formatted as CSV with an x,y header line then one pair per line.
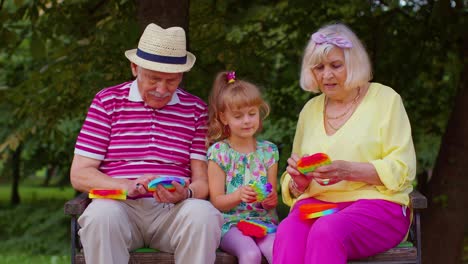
x,y
135,96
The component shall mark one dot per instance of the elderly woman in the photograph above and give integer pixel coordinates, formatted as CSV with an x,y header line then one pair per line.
x,y
364,129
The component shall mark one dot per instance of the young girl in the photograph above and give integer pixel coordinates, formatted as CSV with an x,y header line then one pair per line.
x,y
236,111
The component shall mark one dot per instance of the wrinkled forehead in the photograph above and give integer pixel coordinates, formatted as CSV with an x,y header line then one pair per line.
x,y
320,53
158,74
327,54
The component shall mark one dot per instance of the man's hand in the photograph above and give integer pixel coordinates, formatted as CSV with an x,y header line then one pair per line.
x,y
139,186
162,195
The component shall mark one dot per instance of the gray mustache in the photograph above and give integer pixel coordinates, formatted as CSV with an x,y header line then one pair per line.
x,y
158,94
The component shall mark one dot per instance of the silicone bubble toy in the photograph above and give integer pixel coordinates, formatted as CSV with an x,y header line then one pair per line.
x,y
166,181
310,211
309,163
262,190
108,194
255,228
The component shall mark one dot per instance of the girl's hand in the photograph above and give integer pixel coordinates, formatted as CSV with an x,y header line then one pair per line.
x,y
271,201
333,173
247,194
301,180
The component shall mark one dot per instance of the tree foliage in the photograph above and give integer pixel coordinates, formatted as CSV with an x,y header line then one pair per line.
x,y
264,41
55,55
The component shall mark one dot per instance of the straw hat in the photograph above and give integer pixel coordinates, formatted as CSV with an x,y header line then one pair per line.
x,y
162,50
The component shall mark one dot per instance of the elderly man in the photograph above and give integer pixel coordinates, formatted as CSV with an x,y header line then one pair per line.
x,y
137,131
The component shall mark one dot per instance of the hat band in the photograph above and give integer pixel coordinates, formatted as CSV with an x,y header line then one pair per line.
x,y
161,59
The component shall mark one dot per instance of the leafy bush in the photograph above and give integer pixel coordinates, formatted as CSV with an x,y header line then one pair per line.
x,y
33,259
40,228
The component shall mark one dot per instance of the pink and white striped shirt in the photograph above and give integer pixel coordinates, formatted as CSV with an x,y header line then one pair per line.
x,y
132,139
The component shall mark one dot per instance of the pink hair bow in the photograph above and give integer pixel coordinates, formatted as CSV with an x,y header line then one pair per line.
x,y
342,42
231,77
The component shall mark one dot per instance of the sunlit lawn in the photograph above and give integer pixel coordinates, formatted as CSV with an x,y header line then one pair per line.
x,y
36,193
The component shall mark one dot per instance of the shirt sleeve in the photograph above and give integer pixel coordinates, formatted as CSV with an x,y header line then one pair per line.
x,y
217,153
397,167
93,139
198,148
272,155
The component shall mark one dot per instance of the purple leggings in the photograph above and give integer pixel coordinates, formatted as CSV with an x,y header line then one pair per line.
x,y
359,229
248,250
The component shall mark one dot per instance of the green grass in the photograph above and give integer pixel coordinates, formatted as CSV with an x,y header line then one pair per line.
x,y
36,230
31,194
33,259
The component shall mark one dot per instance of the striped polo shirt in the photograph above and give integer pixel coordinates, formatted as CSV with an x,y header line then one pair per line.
x,y
132,139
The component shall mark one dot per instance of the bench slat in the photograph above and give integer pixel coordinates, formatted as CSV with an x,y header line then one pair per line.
x,y
165,258
394,255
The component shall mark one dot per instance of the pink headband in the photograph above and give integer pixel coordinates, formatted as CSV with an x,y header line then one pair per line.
x,y
231,77
342,42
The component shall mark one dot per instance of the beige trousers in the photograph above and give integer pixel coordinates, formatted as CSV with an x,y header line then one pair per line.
x,y
110,229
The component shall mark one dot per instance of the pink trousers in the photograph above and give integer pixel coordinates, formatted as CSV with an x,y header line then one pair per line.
x,y
359,229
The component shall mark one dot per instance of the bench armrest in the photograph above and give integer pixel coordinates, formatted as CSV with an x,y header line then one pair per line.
x,y
77,205
417,200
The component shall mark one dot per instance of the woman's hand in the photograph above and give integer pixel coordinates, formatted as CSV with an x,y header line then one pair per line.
x,y
302,181
271,201
340,170
333,173
246,194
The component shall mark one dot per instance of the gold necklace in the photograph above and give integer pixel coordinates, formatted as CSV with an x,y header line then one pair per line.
x,y
332,127
327,117
347,110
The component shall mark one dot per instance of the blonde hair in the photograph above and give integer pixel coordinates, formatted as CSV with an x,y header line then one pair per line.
x,y
358,66
231,96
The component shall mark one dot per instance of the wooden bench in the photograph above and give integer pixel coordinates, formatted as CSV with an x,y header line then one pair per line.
x,y
408,252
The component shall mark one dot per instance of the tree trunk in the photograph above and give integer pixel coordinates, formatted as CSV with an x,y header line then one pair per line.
x,y
444,223
48,175
16,169
165,13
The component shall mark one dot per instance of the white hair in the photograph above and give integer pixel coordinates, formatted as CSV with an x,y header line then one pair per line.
x,y
358,66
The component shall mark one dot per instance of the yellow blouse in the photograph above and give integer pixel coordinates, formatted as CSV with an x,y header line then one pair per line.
x,y
378,132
